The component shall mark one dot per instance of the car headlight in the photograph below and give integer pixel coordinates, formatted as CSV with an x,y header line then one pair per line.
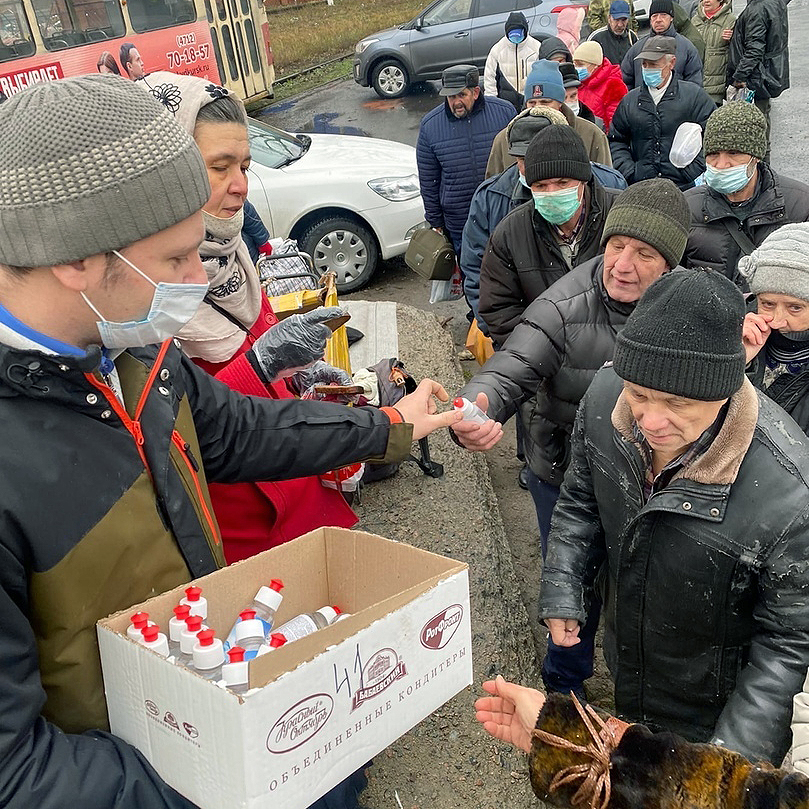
x,y
363,44
396,189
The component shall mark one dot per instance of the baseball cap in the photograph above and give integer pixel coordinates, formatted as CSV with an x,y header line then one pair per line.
x,y
656,47
619,10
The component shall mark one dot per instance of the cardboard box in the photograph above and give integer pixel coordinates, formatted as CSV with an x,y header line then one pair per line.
x,y
329,702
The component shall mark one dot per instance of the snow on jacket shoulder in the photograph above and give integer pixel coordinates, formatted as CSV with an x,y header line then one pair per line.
x,y
603,90
451,154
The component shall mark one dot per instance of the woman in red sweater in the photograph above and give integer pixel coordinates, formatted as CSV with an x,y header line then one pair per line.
x,y
234,317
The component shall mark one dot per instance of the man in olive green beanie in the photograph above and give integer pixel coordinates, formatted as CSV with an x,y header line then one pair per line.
x,y
742,200
684,504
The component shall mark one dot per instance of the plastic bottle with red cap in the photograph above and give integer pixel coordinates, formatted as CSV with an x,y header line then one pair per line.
x,y
136,623
198,603
176,626
152,638
234,672
249,633
470,411
265,604
188,637
208,655
276,640
308,622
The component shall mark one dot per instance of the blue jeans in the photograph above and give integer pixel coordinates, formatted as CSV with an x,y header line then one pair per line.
x,y
565,668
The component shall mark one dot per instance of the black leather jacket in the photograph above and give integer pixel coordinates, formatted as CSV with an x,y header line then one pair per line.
x,y
706,607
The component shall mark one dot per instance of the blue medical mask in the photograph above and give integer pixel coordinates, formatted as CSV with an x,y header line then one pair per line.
x,y
652,77
730,180
557,207
583,73
524,181
516,35
173,305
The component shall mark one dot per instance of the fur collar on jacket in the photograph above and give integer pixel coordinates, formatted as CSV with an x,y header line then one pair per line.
x,y
720,463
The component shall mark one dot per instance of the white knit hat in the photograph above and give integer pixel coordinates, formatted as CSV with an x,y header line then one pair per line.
x,y
781,263
589,51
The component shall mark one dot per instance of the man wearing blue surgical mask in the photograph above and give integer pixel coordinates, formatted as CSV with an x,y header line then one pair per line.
x,y
509,61
648,117
742,200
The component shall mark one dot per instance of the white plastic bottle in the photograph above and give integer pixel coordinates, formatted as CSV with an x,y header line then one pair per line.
x,y
306,623
276,640
176,626
208,655
136,623
265,603
195,600
471,412
234,672
249,633
188,637
152,638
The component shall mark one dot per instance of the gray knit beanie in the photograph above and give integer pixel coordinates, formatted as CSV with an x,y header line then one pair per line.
x,y
89,165
685,337
781,263
655,212
736,127
557,151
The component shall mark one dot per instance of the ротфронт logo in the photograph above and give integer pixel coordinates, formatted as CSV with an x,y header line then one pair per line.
x,y
438,631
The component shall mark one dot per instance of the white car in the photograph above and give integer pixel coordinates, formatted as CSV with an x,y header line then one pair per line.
x,y
347,200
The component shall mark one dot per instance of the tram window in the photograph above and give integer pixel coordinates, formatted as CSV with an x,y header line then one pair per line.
x,y
250,33
246,7
208,12
228,43
218,53
221,10
15,32
148,15
68,23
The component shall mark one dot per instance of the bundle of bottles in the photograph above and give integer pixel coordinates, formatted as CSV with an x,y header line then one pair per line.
x,y
190,643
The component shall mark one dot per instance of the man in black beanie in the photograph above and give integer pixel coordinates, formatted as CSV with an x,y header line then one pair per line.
x,y
685,505
562,339
557,229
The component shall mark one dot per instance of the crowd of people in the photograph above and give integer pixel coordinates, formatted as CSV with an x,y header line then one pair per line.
x,y
651,327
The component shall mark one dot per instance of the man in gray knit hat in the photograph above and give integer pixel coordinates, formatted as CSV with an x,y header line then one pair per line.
x,y
668,509
561,340
742,200
108,441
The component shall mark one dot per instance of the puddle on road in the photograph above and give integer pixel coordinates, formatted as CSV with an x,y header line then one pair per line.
x,y
322,125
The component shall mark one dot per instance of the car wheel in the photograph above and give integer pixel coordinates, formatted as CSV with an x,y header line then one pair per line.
x,y
344,247
390,79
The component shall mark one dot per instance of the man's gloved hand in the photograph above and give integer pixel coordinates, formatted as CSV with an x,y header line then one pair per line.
x,y
321,373
295,343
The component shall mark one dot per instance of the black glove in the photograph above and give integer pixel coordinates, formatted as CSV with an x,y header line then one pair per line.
x,y
295,342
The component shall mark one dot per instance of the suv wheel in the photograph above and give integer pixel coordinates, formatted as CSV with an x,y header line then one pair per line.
x,y
344,247
390,79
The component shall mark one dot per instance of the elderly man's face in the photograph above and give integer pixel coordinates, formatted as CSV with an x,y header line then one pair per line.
x,y
543,102
660,22
665,63
461,103
630,268
618,25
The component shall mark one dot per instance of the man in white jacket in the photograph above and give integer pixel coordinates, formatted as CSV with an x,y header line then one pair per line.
x,y
509,61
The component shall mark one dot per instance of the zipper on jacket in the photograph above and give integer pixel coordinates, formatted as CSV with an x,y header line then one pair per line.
x,y
193,467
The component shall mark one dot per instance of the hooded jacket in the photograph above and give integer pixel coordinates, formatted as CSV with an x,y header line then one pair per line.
x,y
551,45
603,90
688,66
759,48
508,65
104,506
523,259
715,64
451,155
642,132
706,608
548,362
778,201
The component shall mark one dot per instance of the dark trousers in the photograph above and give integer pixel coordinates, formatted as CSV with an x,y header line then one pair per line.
x,y
565,668
764,105
346,794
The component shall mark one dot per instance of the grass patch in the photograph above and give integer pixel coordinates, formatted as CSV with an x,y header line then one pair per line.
x,y
311,33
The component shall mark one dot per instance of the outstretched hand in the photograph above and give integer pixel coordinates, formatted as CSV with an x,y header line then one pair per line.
x,y
511,713
419,409
479,437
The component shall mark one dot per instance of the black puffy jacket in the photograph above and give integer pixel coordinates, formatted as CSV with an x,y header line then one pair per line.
x,y
546,365
705,585
759,48
778,201
523,259
642,132
789,391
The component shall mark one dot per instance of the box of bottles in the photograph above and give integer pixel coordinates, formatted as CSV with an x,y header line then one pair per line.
x,y
317,708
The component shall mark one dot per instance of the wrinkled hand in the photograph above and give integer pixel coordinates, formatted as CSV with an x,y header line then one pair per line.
x,y
321,373
564,631
295,342
479,437
419,409
727,34
755,331
510,714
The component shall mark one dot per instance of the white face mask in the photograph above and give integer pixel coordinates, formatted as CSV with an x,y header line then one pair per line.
x,y
574,108
173,305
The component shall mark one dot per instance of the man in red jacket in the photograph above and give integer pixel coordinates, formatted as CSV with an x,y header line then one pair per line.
x,y
602,87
